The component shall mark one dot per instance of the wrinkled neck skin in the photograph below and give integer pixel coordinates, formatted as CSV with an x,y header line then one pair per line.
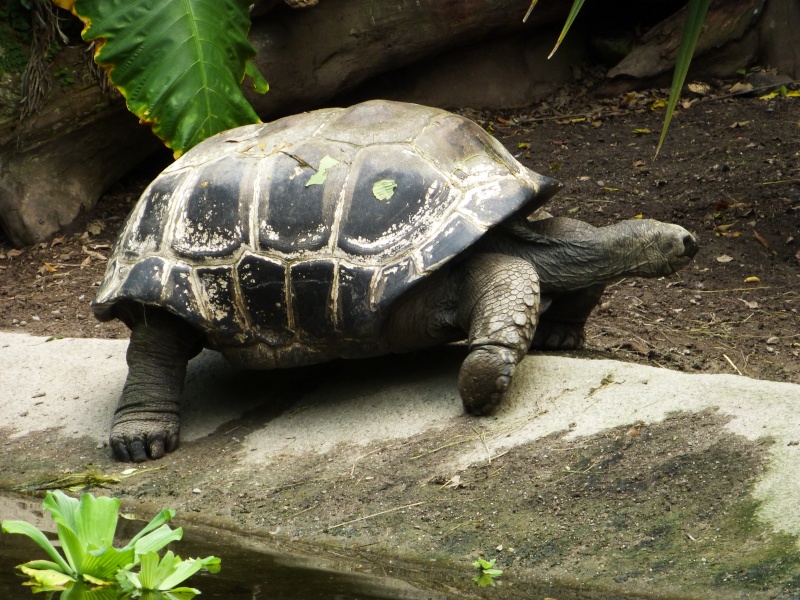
x,y
570,255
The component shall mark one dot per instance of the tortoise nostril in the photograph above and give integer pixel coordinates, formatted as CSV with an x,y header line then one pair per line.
x,y
690,245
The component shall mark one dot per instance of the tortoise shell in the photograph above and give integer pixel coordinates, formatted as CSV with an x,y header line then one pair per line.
x,y
276,235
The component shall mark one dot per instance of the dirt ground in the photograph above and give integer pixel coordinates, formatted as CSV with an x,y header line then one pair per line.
x,y
730,173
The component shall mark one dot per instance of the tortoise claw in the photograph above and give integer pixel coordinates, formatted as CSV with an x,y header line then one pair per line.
x,y
555,335
130,443
484,378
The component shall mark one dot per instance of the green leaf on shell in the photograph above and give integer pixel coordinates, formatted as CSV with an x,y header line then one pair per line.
x,y
384,189
325,163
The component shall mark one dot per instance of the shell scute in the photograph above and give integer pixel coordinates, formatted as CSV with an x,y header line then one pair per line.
x,y
222,317
389,227
179,291
461,147
210,223
145,280
145,230
377,122
457,233
312,299
262,282
294,217
355,318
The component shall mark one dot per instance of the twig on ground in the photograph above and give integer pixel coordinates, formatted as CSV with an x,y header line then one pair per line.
x,y
733,365
377,514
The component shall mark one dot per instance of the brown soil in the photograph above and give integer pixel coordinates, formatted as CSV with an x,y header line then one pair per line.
x,y
729,172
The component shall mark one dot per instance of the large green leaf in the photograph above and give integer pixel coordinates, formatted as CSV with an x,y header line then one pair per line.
x,y
93,520
161,518
179,63
156,540
37,536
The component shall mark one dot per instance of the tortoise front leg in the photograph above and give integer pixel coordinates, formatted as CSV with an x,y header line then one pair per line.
x,y
146,421
499,308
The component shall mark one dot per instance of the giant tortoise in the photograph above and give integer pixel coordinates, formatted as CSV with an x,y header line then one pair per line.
x,y
383,227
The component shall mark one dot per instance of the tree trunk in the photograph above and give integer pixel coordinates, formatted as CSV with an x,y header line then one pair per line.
x,y
736,34
309,56
61,160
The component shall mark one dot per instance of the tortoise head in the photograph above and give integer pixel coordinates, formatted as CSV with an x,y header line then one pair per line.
x,y
653,249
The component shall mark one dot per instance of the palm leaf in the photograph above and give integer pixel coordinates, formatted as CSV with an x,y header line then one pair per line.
x,y
573,13
695,16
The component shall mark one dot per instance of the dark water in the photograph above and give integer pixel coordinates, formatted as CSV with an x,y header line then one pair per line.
x,y
246,574
252,571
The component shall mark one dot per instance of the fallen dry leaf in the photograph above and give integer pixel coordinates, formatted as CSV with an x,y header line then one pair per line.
x,y
95,227
752,279
749,304
93,254
736,124
699,88
761,239
454,482
741,88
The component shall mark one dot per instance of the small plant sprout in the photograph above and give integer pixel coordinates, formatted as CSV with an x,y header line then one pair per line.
x,y
487,573
86,531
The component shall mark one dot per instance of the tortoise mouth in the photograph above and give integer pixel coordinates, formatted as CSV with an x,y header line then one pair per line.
x,y
690,245
681,259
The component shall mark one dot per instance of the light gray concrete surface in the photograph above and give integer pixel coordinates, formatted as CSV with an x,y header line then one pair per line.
x,y
71,386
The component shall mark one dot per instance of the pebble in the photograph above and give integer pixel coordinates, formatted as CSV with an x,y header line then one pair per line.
x,y
197,491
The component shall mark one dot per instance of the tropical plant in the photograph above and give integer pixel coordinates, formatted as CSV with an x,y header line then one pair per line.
x,y
86,531
178,63
696,11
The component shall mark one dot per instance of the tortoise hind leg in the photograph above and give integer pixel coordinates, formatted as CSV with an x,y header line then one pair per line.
x,y
146,422
499,308
561,326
